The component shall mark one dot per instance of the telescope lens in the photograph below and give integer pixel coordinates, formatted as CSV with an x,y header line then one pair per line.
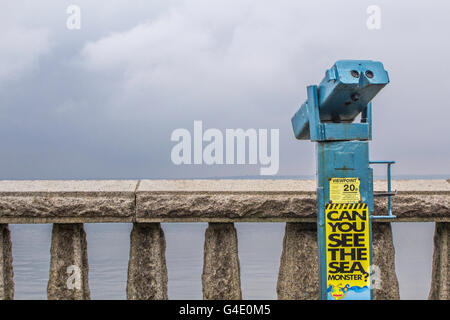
x,y
369,74
354,73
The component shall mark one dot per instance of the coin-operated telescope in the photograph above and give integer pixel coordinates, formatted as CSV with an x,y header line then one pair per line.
x,y
344,177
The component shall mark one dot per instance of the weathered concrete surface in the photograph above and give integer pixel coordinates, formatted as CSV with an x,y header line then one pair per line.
x,y
6,267
383,257
69,268
440,278
147,271
275,200
414,185
67,201
245,206
417,200
416,207
299,267
298,277
227,185
221,271
222,200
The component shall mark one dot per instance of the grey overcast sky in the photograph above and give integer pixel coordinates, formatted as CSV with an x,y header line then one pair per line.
x,y
102,101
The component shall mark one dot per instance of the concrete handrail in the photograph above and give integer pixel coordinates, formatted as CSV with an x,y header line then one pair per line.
x,y
200,200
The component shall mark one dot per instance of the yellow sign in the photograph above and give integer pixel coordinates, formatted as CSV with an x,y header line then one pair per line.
x,y
348,251
344,190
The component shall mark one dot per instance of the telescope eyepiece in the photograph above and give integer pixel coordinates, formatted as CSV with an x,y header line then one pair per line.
x,y
369,74
354,73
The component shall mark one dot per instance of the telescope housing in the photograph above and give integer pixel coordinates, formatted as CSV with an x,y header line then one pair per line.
x,y
344,92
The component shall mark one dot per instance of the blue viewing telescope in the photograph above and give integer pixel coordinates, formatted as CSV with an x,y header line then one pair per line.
x,y
344,177
345,92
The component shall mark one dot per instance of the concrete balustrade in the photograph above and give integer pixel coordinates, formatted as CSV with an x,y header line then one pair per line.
x,y
147,203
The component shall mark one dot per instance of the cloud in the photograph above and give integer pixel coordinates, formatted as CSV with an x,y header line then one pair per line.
x,y
204,53
21,50
103,100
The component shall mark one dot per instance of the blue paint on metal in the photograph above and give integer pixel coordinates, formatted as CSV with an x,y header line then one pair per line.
x,y
389,193
345,92
327,117
348,87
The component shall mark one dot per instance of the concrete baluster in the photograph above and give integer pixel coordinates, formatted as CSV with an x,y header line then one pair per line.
x,y
69,269
298,277
384,277
440,278
147,270
6,267
221,271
